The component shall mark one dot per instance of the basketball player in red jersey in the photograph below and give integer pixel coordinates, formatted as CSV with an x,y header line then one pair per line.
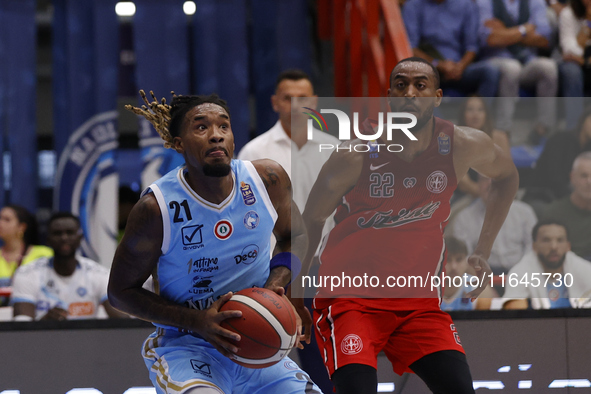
x,y
391,212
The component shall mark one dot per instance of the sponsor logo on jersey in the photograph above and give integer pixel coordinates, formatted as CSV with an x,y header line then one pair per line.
x,y
373,168
199,303
351,344
81,291
247,193
203,264
201,367
251,220
409,182
437,182
223,229
248,255
387,220
291,365
444,146
201,285
81,308
192,236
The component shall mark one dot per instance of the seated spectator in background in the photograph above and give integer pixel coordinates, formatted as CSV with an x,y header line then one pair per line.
x,y
18,233
454,297
66,286
575,210
445,33
575,71
514,238
551,255
554,165
510,34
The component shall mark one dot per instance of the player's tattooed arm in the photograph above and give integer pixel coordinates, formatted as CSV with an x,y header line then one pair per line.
x,y
136,258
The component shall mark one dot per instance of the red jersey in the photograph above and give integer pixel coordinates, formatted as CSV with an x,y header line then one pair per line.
x,y
391,224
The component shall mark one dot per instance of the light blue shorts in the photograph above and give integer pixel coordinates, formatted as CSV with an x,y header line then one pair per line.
x,y
178,362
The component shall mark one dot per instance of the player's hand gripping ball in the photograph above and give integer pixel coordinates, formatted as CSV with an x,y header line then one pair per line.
x,y
267,327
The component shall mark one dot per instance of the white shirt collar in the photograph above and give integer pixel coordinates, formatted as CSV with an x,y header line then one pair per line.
x,y
278,133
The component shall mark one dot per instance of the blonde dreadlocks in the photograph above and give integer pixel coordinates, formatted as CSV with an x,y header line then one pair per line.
x,y
167,119
157,113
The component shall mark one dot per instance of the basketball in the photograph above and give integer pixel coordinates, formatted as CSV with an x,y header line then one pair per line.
x,y
267,327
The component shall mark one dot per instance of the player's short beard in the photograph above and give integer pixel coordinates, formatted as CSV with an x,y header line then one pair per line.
x,y
217,170
425,118
550,265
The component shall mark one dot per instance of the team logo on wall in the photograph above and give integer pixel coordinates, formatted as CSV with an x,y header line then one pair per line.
x,y
443,143
223,229
409,182
247,193
437,182
351,344
251,220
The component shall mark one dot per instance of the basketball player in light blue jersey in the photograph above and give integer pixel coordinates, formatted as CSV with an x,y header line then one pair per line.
x,y
203,231
455,297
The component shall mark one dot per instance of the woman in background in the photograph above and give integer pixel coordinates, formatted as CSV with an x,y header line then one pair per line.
x,y
18,233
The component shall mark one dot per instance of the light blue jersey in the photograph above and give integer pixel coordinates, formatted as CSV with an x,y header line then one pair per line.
x,y
208,249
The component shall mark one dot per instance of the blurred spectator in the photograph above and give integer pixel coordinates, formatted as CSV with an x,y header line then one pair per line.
x,y
575,70
567,279
575,210
286,143
127,199
510,33
514,238
66,286
454,296
18,232
445,33
551,175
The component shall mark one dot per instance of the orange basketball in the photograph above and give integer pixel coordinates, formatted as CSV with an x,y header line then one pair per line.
x,y
267,327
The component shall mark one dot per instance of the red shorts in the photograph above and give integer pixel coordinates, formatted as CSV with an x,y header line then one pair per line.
x,y
349,333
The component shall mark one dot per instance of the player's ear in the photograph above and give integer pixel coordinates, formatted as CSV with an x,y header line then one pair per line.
x,y
439,95
178,144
